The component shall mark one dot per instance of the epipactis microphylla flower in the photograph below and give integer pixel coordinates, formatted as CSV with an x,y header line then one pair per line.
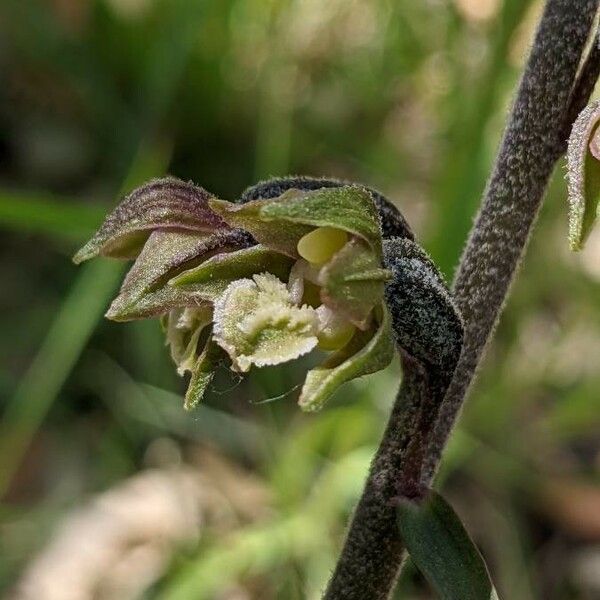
x,y
257,283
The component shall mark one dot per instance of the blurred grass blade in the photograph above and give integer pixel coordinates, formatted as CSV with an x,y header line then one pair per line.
x,y
139,407
67,336
92,289
39,213
442,550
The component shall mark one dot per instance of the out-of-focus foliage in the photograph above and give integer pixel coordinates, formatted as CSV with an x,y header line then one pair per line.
x,y
408,97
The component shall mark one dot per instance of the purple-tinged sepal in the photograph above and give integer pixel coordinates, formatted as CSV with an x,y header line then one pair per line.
x,y
164,204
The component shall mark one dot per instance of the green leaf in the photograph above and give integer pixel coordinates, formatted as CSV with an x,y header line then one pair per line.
x,y
210,279
442,550
583,171
353,282
350,208
367,352
255,322
167,203
282,236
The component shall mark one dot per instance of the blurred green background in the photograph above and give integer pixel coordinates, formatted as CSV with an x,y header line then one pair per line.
x,y
109,490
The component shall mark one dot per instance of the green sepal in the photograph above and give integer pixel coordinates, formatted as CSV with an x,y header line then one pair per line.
x,y
353,282
442,550
279,223
203,373
167,203
367,352
144,292
583,172
210,279
282,237
349,207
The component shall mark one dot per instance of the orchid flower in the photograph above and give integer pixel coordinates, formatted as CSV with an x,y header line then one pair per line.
x,y
296,264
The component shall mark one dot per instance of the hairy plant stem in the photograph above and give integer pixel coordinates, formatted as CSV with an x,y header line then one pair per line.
x,y
372,535
555,83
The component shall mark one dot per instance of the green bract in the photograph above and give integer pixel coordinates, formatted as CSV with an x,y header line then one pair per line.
x,y
233,283
583,171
